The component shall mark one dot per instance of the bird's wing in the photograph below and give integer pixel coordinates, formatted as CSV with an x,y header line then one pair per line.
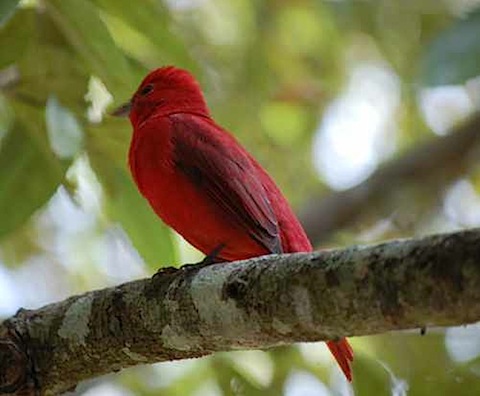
x,y
217,165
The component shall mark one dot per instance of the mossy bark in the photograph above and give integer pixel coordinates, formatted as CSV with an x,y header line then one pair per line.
x,y
258,303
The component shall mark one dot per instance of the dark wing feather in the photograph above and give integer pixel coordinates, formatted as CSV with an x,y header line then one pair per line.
x,y
224,172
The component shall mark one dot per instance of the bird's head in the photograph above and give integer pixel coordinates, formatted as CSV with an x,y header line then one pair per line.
x,y
164,91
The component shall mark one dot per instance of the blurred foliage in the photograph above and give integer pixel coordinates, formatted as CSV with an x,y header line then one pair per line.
x,y
269,70
452,56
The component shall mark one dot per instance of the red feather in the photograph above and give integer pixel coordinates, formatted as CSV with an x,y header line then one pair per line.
x,y
204,184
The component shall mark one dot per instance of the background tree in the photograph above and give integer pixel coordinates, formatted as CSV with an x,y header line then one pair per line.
x,y
343,102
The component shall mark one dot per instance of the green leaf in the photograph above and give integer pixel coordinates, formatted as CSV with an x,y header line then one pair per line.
x,y
152,19
7,9
29,174
64,131
37,68
108,156
79,20
47,65
15,36
453,57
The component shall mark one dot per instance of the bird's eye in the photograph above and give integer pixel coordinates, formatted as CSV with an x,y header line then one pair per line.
x,y
146,90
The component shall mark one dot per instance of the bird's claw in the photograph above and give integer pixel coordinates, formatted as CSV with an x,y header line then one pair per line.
x,y
165,271
208,260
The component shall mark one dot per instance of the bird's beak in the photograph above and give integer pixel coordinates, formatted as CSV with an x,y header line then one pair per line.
x,y
123,110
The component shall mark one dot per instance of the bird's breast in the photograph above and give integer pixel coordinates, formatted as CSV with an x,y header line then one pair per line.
x,y
181,201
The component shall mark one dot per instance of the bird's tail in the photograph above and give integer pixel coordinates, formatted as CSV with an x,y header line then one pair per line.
x,y
343,353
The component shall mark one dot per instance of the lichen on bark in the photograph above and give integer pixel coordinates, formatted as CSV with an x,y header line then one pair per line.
x,y
257,303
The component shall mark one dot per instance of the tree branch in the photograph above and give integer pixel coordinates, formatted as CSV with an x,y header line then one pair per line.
x,y
430,166
257,303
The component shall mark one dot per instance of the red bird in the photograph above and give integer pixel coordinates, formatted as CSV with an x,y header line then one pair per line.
x,y
229,204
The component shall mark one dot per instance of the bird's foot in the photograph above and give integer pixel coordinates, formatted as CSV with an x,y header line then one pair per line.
x,y
209,259
165,271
